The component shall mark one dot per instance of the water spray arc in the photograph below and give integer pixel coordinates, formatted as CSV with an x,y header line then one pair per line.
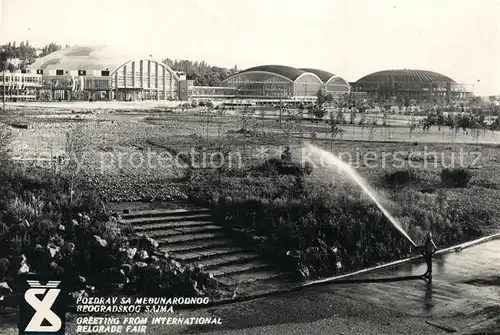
x,y
330,161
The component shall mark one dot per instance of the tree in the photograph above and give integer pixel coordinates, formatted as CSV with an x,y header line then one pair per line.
x,y
76,145
50,48
318,109
352,115
246,121
200,72
329,97
334,130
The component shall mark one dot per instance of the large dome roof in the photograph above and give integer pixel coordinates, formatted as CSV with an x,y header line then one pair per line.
x,y
290,72
406,76
97,57
285,71
323,75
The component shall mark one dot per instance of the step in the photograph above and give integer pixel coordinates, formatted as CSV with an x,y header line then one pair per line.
x,y
171,225
159,219
198,255
183,231
237,268
223,260
196,245
250,277
163,213
188,237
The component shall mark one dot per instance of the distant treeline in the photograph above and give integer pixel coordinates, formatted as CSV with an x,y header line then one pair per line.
x,y
26,52
202,73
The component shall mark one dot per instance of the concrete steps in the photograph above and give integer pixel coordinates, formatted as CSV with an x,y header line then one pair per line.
x,y
196,245
167,219
161,226
194,255
153,213
191,237
209,228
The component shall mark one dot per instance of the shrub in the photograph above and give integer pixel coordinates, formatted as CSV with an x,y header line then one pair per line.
x,y
458,177
399,177
275,166
76,237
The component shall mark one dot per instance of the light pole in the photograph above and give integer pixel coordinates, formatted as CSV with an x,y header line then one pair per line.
x,y
3,61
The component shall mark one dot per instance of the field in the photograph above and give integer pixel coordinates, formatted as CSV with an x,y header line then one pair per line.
x,y
134,154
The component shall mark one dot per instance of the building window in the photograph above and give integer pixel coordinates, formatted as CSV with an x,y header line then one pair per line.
x,y
39,71
59,72
105,73
82,72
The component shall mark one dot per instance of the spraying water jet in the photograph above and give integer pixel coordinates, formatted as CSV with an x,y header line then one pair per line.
x,y
329,160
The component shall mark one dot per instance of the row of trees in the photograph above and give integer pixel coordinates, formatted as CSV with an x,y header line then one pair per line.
x,y
464,121
26,52
202,73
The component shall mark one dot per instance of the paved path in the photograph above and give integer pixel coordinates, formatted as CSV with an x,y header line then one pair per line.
x,y
464,295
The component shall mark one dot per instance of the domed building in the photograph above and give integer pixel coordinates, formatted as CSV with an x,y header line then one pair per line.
x,y
284,82
102,72
418,85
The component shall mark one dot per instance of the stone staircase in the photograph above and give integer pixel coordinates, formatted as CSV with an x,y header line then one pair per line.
x,y
190,236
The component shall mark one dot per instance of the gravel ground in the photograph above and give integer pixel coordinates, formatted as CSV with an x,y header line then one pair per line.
x,y
292,314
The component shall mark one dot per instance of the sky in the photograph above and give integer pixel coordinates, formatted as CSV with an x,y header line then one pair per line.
x,y
351,38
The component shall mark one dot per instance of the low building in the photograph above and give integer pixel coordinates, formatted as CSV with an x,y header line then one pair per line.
x,y
104,73
418,85
270,84
19,86
280,82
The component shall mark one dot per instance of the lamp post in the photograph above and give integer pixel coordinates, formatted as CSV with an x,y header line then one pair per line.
x,y
3,63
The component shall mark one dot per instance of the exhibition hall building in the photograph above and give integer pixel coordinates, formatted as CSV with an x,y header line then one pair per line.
x,y
107,73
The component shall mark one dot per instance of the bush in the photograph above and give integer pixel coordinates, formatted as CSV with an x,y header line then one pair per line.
x,y
399,177
458,177
75,237
275,166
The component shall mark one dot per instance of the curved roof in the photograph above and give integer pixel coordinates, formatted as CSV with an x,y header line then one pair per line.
x,y
98,57
323,75
285,71
406,75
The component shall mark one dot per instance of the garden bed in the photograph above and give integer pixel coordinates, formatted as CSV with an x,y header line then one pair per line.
x,y
319,229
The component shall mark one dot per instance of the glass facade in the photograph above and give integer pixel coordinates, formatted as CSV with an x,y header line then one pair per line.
x,y
415,90
336,85
261,85
144,80
212,92
268,85
307,85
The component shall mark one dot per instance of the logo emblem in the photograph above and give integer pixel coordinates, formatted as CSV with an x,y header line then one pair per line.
x,y
42,311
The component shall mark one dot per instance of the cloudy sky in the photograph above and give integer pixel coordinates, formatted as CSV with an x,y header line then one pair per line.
x,y
459,38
